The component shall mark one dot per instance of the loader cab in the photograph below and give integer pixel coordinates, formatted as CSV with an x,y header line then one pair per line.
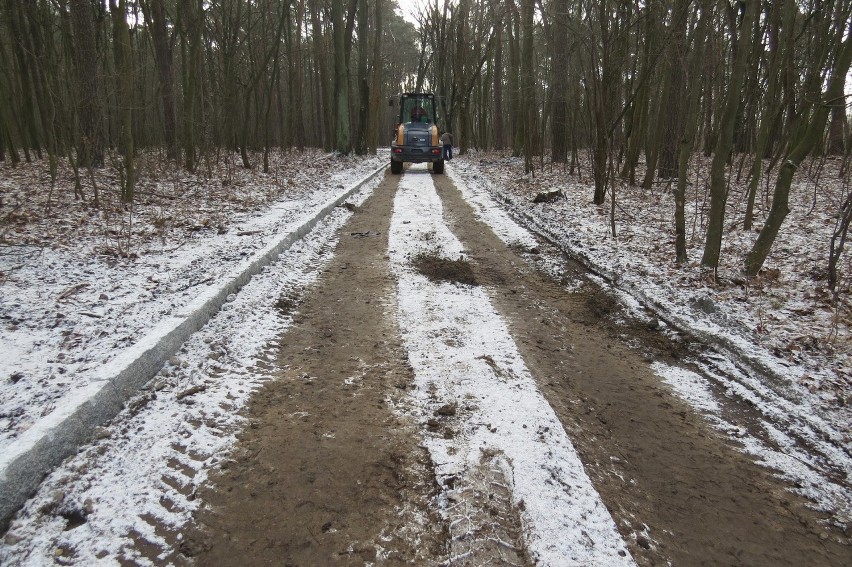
x,y
415,107
419,108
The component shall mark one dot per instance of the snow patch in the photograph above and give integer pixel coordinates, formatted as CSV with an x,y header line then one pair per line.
x,y
462,353
134,488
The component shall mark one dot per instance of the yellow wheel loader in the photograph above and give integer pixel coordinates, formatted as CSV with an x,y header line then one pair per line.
x,y
416,138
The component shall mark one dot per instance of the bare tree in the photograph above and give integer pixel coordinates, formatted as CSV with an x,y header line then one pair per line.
x,y
343,138
189,25
154,12
123,54
372,132
725,135
559,82
90,146
528,99
780,40
802,143
689,136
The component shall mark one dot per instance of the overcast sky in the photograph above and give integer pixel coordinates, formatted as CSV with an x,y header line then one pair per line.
x,y
407,9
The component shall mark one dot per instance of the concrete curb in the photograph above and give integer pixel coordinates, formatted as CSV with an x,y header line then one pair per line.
x,y
47,443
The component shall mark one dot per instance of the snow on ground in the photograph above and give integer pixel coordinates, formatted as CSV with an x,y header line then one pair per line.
x,y
786,311
782,325
461,350
140,477
78,284
81,284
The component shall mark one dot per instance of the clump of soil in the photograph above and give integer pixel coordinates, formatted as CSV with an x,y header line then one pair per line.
x,y
601,304
442,269
548,197
605,309
674,347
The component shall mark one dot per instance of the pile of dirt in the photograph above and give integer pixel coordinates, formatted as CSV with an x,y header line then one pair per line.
x,y
601,304
437,268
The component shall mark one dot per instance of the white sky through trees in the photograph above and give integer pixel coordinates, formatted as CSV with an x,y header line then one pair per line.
x,y
408,8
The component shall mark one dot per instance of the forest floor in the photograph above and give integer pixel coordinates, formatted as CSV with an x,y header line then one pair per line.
x,y
423,381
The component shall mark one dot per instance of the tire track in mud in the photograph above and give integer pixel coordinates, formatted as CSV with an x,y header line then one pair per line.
x,y
490,431
678,490
330,471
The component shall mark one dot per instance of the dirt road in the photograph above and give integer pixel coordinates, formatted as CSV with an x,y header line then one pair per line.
x,y
331,472
327,471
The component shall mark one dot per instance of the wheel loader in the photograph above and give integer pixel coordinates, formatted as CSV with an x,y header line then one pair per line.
x,y
416,138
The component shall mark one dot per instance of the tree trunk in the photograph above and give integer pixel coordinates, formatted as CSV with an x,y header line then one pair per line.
x,y
636,117
299,79
155,19
838,241
559,86
806,139
654,138
690,132
375,76
324,103
123,54
459,74
294,88
10,139
710,95
673,107
90,146
190,29
499,133
38,66
516,109
725,140
363,79
605,73
772,102
342,137
528,84
837,129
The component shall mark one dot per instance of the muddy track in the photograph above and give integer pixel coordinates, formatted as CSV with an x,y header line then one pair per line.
x,y
331,472
678,491
327,473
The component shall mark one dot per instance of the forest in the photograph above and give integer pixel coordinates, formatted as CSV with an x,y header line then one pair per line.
x,y
634,90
